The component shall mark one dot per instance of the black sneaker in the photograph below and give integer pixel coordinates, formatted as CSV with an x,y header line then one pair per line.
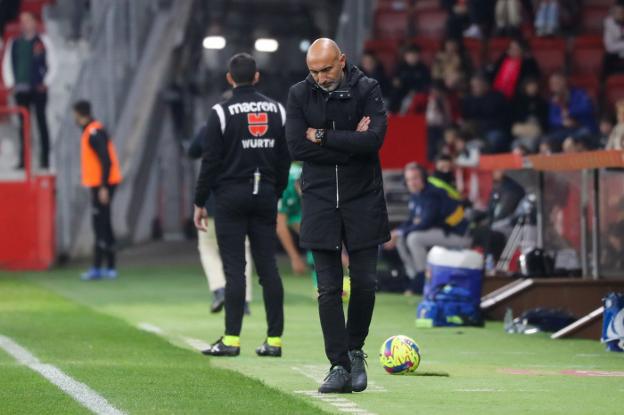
x,y
220,349
218,301
267,350
338,380
358,370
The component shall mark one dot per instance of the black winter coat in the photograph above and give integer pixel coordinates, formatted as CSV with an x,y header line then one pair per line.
x,y
343,197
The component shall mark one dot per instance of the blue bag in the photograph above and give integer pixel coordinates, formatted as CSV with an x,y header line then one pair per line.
x,y
613,322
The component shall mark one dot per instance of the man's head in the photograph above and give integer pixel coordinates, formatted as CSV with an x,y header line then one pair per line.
x,y
516,48
444,164
369,62
415,177
326,63
242,70
82,112
28,24
530,87
558,83
411,55
479,85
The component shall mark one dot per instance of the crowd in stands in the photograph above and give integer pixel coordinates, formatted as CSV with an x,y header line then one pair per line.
x,y
514,103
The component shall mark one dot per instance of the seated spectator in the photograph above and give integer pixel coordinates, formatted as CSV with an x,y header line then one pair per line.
x,y
411,77
547,18
451,65
549,146
458,17
571,112
481,14
605,128
513,67
370,65
529,116
443,176
434,219
616,138
504,198
467,153
614,41
508,17
438,116
485,113
570,15
576,144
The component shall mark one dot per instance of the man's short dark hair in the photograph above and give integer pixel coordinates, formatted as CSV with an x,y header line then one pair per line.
x,y
83,108
242,67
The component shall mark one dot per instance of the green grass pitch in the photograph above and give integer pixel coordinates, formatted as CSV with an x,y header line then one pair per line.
x,y
90,331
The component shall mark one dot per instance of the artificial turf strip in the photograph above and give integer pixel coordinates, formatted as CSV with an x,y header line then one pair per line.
x,y
136,372
466,366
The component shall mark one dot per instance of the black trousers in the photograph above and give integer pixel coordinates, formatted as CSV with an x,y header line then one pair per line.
x,y
340,337
238,213
102,228
38,100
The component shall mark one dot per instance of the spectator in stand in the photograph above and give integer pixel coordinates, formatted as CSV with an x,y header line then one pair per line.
x,y
529,116
508,17
466,153
486,114
411,77
482,18
570,15
434,219
370,65
513,67
577,144
438,116
605,127
616,138
571,112
547,18
451,64
549,146
458,17
28,69
614,41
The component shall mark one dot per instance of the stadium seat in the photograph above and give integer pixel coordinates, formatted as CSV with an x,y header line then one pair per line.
x,y
33,6
614,89
496,47
474,49
550,53
587,55
589,83
428,46
390,24
592,18
386,51
427,5
392,4
430,23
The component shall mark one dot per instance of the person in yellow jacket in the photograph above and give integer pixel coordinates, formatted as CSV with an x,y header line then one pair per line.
x,y
101,174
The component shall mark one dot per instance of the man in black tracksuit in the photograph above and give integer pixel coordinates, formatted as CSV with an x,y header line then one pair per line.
x,y
336,125
246,167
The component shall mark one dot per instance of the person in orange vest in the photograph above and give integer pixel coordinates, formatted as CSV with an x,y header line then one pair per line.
x,y
101,174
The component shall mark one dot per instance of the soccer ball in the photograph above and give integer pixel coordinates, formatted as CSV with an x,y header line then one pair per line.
x,y
346,289
399,355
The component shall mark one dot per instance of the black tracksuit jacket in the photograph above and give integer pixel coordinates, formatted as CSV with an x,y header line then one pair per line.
x,y
343,198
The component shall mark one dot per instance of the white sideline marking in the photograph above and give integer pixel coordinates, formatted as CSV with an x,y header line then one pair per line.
x,y
196,343
86,396
341,404
150,328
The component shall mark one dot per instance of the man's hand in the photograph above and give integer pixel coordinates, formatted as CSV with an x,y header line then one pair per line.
x,y
200,217
311,136
394,237
103,195
298,266
363,124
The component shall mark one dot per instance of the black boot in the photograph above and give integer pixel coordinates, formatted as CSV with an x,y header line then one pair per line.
x,y
267,350
220,349
218,300
359,379
338,380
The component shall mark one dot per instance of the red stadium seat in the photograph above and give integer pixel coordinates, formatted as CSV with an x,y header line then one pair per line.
x,y
589,83
474,49
33,6
614,89
550,53
587,55
427,5
430,23
386,51
390,24
592,18
496,47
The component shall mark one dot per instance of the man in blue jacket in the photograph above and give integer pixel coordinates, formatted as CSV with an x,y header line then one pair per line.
x,y
435,219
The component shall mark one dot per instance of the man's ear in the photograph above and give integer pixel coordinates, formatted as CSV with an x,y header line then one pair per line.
x,y
256,78
230,80
342,60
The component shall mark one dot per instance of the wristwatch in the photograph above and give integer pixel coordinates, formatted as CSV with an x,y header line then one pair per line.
x,y
321,136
